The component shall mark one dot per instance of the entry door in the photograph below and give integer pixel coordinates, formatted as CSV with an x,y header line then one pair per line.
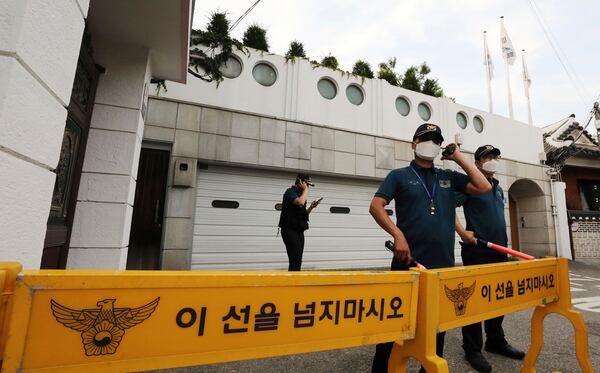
x,y
148,210
68,171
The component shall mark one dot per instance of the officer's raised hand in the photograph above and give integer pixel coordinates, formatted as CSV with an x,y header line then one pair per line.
x,y
452,152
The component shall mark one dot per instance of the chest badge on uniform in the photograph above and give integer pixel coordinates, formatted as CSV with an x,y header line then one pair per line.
x,y
446,183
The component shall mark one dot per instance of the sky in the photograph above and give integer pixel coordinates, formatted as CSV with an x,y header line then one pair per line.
x,y
448,35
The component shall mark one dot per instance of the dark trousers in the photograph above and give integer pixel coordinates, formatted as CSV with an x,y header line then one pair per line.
x,y
294,245
472,334
384,350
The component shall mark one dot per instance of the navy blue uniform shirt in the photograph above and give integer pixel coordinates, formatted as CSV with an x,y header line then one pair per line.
x,y
485,217
430,237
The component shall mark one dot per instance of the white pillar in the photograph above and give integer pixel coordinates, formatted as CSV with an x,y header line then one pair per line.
x,y
104,209
39,47
561,223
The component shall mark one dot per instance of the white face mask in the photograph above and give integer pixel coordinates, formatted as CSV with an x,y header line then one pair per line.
x,y
427,150
491,166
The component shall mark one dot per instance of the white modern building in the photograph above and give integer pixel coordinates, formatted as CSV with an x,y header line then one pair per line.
x,y
192,178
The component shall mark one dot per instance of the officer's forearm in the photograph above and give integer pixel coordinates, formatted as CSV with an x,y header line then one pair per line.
x,y
459,227
477,179
383,219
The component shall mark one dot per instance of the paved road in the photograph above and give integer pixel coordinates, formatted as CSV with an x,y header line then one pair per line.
x,y
558,353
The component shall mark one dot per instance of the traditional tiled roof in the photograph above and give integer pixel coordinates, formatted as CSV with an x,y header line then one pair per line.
x,y
554,135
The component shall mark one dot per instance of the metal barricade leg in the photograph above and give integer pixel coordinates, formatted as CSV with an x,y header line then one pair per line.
x,y
562,307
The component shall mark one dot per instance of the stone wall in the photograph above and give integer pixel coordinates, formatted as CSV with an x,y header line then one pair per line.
x,y
585,230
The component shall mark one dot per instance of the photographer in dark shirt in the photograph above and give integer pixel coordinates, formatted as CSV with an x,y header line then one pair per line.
x,y
293,220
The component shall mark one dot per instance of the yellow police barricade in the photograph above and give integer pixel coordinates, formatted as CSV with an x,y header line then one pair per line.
x,y
114,321
466,295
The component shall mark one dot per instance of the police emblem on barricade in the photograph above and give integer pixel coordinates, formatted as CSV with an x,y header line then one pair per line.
x,y
102,328
459,297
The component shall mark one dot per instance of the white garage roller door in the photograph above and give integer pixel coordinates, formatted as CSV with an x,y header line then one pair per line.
x,y
236,220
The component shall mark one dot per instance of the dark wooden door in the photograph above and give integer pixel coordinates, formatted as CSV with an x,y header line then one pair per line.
x,y
514,223
148,210
68,170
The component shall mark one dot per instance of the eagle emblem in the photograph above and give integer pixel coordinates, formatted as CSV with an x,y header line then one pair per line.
x,y
459,297
102,328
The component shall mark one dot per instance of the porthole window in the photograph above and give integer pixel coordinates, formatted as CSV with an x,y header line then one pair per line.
x,y
327,88
339,210
264,74
402,106
461,119
424,111
478,123
221,204
232,68
355,94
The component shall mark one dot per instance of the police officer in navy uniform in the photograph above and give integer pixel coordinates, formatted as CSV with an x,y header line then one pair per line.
x,y
293,220
485,219
425,211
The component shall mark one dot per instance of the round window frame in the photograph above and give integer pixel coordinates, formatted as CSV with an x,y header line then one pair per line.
x,y
360,89
466,116
239,60
332,81
407,100
267,63
482,123
428,107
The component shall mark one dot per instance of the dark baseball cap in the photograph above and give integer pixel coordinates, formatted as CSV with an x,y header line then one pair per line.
x,y
305,177
486,150
426,128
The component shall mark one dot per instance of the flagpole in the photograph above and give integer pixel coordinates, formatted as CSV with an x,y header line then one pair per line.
x,y
510,105
526,76
487,69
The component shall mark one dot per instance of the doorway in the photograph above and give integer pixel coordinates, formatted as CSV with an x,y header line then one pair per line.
x,y
148,210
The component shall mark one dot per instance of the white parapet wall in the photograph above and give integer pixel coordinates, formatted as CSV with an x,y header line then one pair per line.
x,y
294,96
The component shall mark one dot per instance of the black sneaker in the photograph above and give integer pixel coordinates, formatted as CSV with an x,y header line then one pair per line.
x,y
506,350
478,362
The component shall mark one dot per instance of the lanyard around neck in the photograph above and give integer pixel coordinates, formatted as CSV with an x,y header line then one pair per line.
x,y
431,194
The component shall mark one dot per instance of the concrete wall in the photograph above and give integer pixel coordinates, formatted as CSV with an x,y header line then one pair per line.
x,y
294,97
38,59
104,209
220,136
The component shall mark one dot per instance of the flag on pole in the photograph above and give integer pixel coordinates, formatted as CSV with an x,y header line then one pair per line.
x,y
526,77
508,52
487,59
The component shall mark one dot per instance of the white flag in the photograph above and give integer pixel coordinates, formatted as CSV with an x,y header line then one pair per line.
x,y
508,52
526,78
487,59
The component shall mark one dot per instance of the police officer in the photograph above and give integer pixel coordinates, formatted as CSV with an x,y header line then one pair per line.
x,y
485,219
293,220
425,211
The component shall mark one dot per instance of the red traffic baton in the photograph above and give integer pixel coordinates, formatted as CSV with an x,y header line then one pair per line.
x,y
506,250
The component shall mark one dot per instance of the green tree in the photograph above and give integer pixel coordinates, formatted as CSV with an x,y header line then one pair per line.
x,y
387,73
211,48
296,50
415,78
362,68
330,62
255,37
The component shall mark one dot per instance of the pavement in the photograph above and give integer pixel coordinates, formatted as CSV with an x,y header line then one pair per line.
x,y
558,353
